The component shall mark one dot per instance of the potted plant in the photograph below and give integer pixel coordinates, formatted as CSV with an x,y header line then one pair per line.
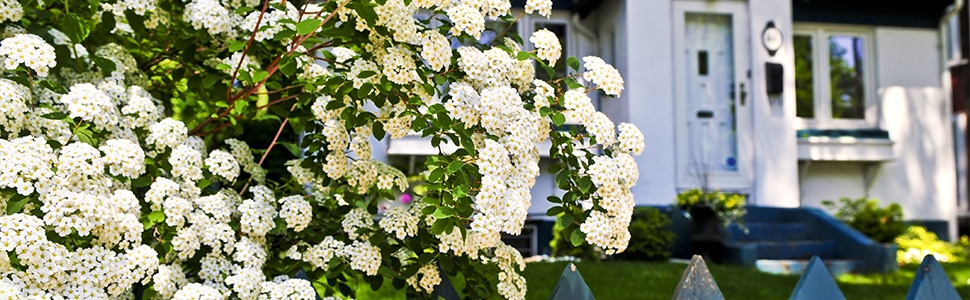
x,y
710,211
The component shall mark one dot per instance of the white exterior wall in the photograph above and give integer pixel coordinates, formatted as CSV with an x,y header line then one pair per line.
x,y
914,110
775,148
644,57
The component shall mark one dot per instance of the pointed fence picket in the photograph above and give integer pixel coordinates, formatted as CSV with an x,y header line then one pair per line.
x,y
697,283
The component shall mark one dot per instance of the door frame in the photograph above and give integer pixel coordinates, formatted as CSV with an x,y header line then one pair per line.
x,y
736,181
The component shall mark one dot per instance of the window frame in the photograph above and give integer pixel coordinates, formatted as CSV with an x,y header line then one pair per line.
x,y
821,79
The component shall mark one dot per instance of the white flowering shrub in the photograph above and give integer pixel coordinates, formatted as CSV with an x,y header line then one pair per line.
x,y
123,170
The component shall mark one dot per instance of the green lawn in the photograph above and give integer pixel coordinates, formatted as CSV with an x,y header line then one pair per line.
x,y
656,280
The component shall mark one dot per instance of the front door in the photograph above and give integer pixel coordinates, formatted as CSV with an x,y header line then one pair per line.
x,y
713,124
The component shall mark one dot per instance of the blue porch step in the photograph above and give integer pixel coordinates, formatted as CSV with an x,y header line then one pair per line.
x,y
801,249
770,232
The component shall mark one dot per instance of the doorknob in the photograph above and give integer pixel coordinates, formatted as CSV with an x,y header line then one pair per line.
x,y
744,93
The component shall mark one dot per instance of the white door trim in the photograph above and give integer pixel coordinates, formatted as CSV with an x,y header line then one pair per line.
x,y
742,179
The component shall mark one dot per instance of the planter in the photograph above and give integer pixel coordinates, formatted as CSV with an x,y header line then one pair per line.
x,y
708,233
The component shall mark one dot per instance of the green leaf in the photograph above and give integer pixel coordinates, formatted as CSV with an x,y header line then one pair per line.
x,y
75,27
365,74
307,26
16,203
444,212
54,86
522,55
367,12
288,65
156,216
236,46
55,116
454,166
554,211
571,83
378,130
585,184
558,119
573,63
566,219
436,175
141,182
439,226
577,237
260,75
105,65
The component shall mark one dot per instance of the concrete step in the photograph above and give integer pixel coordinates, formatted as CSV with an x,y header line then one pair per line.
x,y
803,249
796,266
769,232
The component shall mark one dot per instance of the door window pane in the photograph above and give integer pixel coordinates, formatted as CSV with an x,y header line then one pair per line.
x,y
846,58
804,77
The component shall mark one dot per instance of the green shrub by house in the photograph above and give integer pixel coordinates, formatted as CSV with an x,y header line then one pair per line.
x,y
649,237
882,224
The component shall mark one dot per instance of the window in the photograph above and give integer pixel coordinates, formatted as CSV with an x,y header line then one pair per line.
x,y
833,78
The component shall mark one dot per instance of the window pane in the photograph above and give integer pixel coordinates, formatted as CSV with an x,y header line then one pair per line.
x,y
560,30
846,58
804,77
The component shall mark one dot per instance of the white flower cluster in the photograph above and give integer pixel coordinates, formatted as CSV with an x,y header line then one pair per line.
x,y
123,158
13,106
466,19
211,16
87,102
511,284
604,75
271,23
168,133
29,50
296,211
399,18
542,7
186,163
26,164
244,157
398,66
436,50
401,221
426,278
11,10
222,164
613,177
547,45
365,174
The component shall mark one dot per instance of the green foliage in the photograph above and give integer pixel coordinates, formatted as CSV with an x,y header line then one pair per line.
x,y
649,237
562,246
882,224
729,207
917,242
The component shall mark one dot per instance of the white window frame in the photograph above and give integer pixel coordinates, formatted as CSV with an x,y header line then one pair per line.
x,y
823,119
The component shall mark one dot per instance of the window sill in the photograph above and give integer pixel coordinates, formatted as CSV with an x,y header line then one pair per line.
x,y
845,145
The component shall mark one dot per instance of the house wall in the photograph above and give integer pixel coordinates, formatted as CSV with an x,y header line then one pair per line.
x,y
775,148
643,33
915,111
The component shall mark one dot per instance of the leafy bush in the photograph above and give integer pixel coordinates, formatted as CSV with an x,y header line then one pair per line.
x,y
729,207
917,242
562,247
882,224
122,152
649,237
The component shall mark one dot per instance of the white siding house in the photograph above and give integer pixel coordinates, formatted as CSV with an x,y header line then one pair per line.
x,y
869,114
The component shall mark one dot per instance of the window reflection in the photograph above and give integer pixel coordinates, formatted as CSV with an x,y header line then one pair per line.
x,y
846,58
804,77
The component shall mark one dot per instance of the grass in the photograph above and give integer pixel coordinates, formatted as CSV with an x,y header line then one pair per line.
x,y
657,280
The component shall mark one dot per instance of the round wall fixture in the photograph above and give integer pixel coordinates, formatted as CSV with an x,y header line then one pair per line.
x,y
771,38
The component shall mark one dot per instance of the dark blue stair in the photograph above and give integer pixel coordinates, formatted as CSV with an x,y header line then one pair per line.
x,y
800,249
770,232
